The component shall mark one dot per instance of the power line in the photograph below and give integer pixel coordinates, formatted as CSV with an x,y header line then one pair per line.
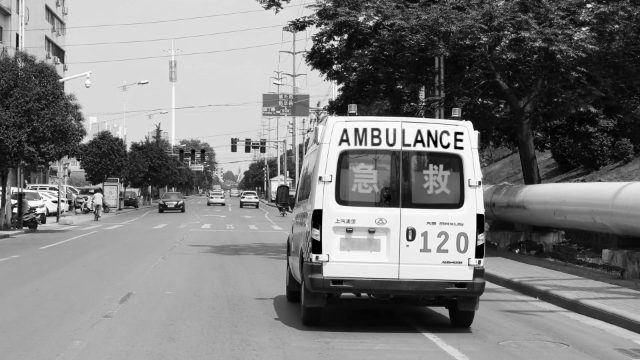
x,y
166,56
159,21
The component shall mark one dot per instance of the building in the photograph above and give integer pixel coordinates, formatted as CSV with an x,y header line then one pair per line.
x,y
37,27
96,126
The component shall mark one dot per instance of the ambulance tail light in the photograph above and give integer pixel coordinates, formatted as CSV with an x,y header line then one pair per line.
x,y
480,236
316,232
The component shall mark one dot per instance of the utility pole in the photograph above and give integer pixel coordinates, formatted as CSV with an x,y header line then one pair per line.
x,y
439,85
173,78
278,82
293,82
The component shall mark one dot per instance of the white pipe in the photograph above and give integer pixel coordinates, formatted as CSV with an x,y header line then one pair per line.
x,y
608,207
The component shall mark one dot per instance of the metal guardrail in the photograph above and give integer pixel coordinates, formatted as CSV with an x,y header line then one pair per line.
x,y
607,207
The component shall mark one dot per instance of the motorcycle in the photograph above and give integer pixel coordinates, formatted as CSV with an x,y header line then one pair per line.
x,y
283,209
29,219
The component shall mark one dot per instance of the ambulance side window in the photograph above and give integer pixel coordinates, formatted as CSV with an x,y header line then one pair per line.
x,y
304,188
432,180
368,178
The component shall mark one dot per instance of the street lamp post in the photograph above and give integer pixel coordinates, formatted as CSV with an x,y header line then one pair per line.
x,y
124,88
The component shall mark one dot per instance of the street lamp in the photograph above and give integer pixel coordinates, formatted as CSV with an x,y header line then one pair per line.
x,y
124,88
87,82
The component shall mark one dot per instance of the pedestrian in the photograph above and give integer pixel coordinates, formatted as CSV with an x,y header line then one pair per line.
x,y
97,200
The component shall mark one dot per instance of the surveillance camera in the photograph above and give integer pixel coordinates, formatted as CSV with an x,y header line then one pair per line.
x,y
87,83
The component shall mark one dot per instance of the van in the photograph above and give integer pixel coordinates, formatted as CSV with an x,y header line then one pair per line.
x,y
389,207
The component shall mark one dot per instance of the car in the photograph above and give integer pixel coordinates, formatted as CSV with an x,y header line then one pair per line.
x,y
70,192
249,198
35,201
171,201
234,192
131,198
215,198
51,202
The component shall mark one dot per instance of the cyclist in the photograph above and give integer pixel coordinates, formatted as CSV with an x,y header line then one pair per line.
x,y
97,200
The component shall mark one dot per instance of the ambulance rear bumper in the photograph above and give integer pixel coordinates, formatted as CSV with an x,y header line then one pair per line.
x,y
316,282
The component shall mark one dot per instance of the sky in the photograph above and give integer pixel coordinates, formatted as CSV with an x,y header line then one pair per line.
x,y
228,51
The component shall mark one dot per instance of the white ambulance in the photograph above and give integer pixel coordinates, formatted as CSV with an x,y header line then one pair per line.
x,y
392,208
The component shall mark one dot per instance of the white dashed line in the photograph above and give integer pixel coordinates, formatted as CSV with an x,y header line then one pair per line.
x,y
112,227
230,227
9,258
205,226
455,353
276,227
253,227
91,227
159,226
64,241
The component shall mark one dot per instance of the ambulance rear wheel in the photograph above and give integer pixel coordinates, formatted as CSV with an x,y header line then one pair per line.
x,y
293,287
310,315
461,319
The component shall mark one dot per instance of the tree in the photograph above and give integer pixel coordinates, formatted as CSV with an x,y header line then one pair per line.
x,y
104,156
511,65
39,123
229,176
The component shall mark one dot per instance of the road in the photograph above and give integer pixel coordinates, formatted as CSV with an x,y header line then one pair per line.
x,y
209,284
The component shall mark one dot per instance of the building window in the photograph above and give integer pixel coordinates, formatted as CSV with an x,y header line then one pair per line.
x,y
1,32
57,26
53,50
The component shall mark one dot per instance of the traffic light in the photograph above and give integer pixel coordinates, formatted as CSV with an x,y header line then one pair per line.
x,y
193,155
202,157
247,145
263,146
234,144
181,154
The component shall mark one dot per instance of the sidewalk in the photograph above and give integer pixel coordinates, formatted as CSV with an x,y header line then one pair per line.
x,y
604,301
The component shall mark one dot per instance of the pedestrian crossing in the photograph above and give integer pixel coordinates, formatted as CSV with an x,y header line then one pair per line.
x,y
191,226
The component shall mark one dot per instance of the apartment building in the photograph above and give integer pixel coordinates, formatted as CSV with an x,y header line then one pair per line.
x,y
37,27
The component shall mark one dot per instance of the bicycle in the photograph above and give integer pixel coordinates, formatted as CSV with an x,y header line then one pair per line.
x,y
96,212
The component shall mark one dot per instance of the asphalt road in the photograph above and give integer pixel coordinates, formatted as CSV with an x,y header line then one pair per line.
x,y
209,284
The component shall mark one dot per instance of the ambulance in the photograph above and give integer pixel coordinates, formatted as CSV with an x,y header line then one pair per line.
x,y
388,208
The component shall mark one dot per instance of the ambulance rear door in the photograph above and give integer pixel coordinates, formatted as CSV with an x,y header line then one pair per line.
x,y
361,214
438,210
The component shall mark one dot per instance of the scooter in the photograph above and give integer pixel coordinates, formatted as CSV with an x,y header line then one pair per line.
x,y
283,209
29,219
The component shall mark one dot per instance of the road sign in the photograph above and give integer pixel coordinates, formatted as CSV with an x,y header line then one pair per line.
x,y
285,105
196,167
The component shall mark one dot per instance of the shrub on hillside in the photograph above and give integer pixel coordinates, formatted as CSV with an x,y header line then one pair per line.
x,y
563,152
623,150
596,152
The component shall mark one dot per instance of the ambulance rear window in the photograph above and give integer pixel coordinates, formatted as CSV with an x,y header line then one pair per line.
x,y
368,178
432,180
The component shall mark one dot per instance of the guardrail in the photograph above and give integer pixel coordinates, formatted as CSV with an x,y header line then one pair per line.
x,y
607,207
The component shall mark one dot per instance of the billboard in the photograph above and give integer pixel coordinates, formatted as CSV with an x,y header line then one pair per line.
x,y
285,105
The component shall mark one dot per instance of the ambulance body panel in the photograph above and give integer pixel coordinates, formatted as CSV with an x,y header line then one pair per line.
x,y
389,206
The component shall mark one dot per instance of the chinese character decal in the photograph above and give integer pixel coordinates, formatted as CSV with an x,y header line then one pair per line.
x,y
365,179
436,179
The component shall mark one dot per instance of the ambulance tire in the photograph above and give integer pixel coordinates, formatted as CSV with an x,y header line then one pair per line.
x,y
460,318
293,287
310,315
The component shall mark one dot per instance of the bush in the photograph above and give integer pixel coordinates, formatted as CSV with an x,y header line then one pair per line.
x,y
563,152
597,151
623,150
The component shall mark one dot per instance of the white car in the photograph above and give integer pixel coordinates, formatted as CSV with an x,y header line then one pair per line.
x,y
249,198
51,202
35,201
216,198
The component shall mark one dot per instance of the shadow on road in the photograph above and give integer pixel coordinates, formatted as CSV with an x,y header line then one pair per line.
x,y
270,251
366,316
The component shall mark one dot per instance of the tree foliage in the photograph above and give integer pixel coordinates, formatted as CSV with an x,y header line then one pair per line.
x,y
514,67
103,156
204,179
39,123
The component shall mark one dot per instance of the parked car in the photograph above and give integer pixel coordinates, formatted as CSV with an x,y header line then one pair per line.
x,y
51,202
131,198
216,198
35,201
171,201
249,198
70,192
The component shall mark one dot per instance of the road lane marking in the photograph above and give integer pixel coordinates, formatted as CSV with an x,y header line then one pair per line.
x,y
9,258
253,227
234,230
230,227
112,227
159,226
64,241
206,226
247,216
91,227
455,353
276,227
213,215
266,216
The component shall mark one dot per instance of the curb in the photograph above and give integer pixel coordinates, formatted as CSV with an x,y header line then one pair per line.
x,y
575,305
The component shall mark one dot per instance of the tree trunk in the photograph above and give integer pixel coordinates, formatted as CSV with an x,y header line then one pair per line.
x,y
5,215
526,149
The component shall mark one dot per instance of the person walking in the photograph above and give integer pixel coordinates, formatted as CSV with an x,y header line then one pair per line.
x,y
97,200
